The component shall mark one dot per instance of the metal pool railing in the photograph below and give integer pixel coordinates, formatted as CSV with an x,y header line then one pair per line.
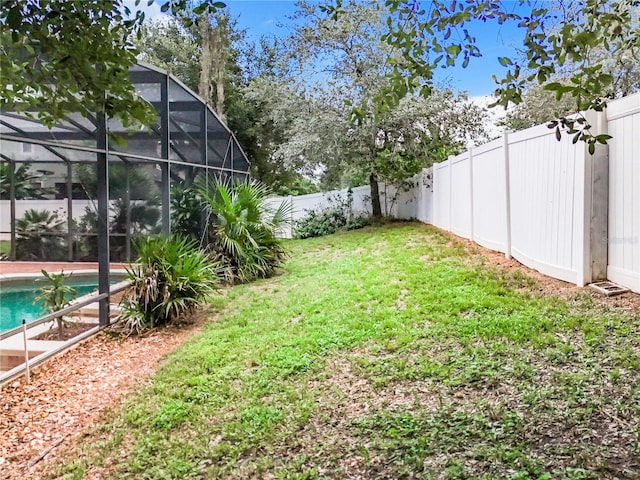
x,y
31,362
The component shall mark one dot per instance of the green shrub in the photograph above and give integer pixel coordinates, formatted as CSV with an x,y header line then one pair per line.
x,y
338,215
242,229
171,278
186,213
56,295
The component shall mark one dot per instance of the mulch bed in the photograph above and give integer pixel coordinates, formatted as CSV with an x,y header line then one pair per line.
x,y
68,393
70,330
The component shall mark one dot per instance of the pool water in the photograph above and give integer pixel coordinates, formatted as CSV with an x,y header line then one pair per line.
x,y
17,301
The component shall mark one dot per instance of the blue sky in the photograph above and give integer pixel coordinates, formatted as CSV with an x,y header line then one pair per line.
x,y
261,17
267,17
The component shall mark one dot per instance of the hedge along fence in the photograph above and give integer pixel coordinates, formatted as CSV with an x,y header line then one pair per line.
x,y
549,204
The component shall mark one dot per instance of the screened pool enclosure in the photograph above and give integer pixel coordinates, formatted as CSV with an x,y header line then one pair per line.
x,y
52,179
76,193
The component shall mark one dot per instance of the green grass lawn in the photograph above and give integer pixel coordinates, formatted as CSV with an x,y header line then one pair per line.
x,y
391,352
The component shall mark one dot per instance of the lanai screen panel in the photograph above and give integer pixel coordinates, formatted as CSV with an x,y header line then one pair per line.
x,y
186,139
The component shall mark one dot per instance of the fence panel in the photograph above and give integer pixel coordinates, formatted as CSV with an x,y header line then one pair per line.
x,y
547,202
361,203
441,195
403,202
461,211
424,207
489,208
623,118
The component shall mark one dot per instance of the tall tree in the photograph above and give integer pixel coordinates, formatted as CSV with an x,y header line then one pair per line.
x,y
168,44
432,34
73,55
217,32
346,62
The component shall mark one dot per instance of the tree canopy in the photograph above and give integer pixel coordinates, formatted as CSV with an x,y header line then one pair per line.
x,y
74,56
340,67
432,34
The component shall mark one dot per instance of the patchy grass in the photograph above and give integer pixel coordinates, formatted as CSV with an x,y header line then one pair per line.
x,y
389,352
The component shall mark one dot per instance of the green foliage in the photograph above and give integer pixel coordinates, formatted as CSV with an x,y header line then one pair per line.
x,y
24,181
5,248
336,216
167,44
538,106
39,236
186,213
294,185
347,54
56,295
243,228
134,206
132,179
171,278
67,56
436,36
248,108
74,56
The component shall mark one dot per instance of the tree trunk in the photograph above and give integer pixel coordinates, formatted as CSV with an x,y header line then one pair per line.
x,y
204,87
219,65
375,196
213,62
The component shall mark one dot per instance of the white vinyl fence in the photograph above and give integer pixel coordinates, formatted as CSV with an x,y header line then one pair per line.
x,y
415,203
549,204
623,119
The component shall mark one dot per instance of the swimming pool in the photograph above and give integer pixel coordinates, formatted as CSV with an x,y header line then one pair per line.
x,y
17,298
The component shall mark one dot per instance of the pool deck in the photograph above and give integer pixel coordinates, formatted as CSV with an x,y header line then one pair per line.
x,y
13,268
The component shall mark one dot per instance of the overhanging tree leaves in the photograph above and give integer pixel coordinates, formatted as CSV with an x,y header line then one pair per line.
x,y
432,34
63,56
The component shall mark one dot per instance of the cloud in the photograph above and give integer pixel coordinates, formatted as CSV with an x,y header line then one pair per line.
x,y
152,12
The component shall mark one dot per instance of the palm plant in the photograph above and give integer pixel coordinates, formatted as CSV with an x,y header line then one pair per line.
x,y
25,183
243,227
139,216
186,212
56,295
38,235
171,278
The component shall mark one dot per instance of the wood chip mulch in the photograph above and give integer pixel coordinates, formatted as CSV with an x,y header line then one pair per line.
x,y
68,393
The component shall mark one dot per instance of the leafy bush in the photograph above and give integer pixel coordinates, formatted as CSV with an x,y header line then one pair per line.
x,y
172,277
186,213
138,216
338,215
242,229
25,183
